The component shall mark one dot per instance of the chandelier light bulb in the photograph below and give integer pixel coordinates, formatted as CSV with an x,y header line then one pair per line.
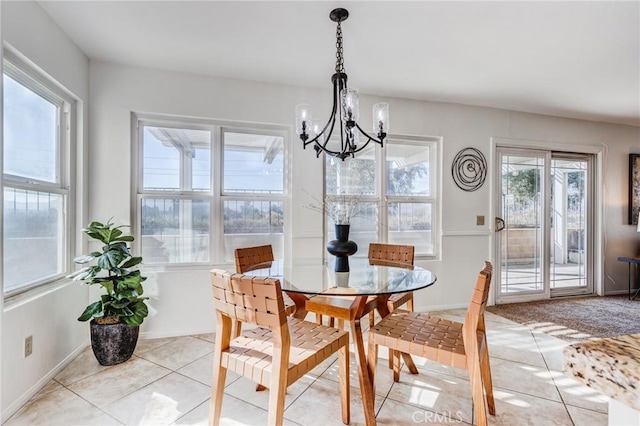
x,y
316,127
303,118
381,117
350,104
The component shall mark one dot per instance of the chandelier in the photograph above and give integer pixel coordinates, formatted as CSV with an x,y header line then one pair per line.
x,y
345,110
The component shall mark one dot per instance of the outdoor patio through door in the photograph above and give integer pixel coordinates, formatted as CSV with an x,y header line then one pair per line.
x,y
545,202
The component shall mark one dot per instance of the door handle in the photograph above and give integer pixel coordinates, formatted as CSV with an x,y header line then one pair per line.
x,y
499,224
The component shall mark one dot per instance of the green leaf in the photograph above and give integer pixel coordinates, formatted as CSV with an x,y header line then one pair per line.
x,y
108,286
80,274
132,262
121,304
91,311
85,274
128,238
132,282
140,312
86,258
111,259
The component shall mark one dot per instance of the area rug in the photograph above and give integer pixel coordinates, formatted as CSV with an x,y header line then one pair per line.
x,y
576,319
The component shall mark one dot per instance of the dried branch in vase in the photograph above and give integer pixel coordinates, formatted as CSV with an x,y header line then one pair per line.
x,y
341,208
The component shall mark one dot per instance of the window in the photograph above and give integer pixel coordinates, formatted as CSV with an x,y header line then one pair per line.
x,y
36,182
405,172
206,189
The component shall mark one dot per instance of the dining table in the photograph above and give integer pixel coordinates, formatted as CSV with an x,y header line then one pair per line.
x,y
367,285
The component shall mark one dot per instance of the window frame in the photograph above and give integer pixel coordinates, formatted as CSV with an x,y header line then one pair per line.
x,y
31,77
382,199
216,195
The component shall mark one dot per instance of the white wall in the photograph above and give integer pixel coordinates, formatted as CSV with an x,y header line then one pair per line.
x,y
49,316
116,91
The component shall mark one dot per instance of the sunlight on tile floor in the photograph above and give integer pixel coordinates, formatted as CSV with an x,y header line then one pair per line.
x,y
167,382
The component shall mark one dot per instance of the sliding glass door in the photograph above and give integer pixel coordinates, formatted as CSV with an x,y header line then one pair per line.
x,y
544,205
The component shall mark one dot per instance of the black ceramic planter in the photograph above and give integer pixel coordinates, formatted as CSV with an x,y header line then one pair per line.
x,y
113,343
342,248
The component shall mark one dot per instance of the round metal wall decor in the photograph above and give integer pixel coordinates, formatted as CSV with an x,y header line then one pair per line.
x,y
469,169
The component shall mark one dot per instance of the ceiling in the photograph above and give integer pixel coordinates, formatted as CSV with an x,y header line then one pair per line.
x,y
572,59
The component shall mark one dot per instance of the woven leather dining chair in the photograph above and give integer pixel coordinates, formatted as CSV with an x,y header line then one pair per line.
x,y
460,345
251,258
398,254
275,354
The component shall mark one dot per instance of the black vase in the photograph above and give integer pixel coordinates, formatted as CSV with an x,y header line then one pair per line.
x,y
342,248
113,343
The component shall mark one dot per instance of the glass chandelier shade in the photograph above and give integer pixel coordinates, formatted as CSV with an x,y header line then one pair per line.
x,y
345,111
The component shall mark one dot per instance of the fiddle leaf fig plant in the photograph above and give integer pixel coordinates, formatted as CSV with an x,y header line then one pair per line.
x,y
113,270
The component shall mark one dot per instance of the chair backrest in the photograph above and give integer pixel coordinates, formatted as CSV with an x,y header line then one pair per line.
x,y
248,258
474,320
249,299
392,253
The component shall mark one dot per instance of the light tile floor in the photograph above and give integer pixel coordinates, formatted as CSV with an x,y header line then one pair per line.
x,y
167,383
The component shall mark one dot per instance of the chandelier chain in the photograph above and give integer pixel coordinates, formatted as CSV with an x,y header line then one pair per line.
x,y
339,57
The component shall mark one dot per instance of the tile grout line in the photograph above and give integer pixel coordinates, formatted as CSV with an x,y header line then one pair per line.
x,y
564,404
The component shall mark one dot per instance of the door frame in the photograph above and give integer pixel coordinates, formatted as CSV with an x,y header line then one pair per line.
x,y
598,189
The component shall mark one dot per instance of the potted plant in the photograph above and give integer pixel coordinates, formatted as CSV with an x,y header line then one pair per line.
x,y
116,317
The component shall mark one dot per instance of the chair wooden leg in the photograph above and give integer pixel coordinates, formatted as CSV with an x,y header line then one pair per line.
x,y
372,316
332,322
340,324
410,304
278,384
318,319
477,393
217,391
410,364
368,398
223,334
345,388
372,361
394,357
485,370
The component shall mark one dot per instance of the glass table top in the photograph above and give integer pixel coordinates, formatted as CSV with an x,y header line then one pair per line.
x,y
365,277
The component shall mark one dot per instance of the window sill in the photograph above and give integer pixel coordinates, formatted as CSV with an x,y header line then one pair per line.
x,y
13,302
154,269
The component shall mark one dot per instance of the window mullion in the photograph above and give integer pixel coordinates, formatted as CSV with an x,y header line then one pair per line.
x,y
217,213
383,210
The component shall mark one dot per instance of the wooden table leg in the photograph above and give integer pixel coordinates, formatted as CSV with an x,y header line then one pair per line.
x,y
352,310
366,379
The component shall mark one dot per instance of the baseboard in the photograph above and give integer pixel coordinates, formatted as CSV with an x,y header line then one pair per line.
x,y
163,335
31,392
617,292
